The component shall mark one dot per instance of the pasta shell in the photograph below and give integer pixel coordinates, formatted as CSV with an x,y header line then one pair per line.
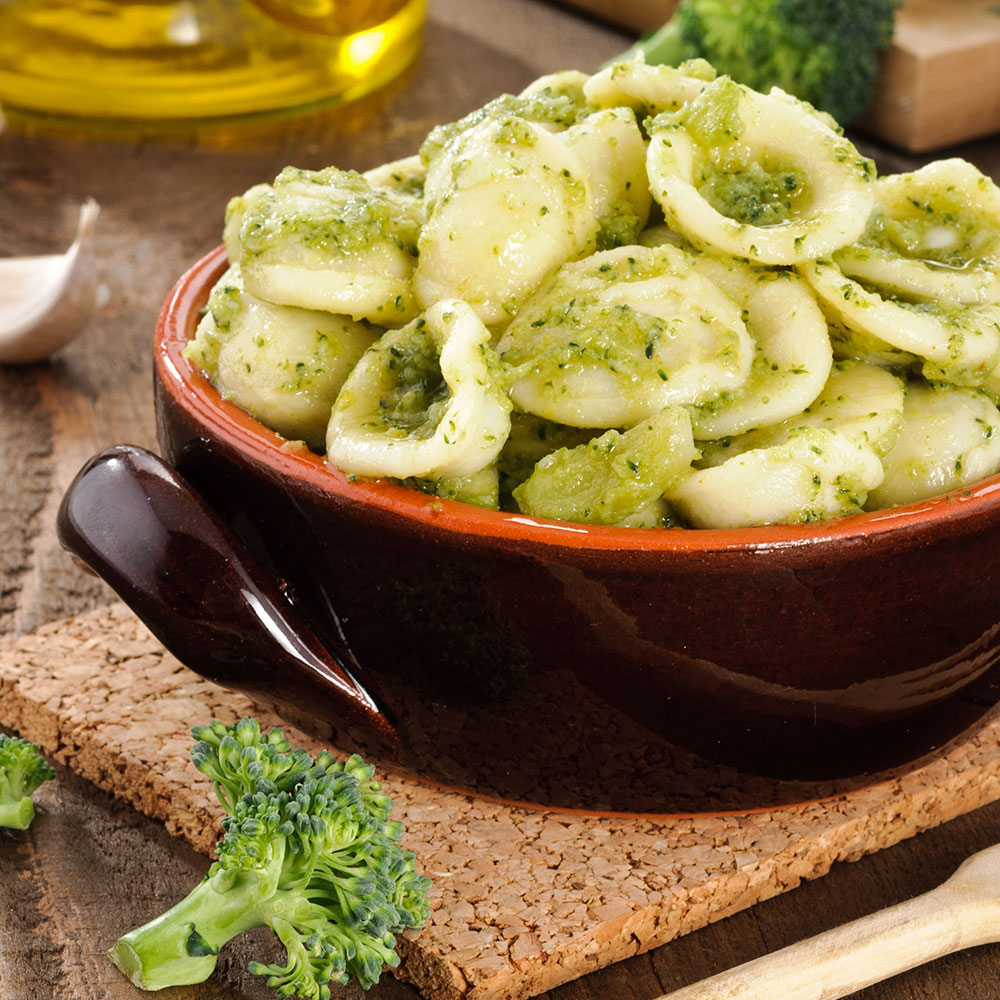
x,y
327,240
959,343
282,364
764,144
934,235
647,89
424,401
816,475
616,337
792,353
507,205
862,402
950,438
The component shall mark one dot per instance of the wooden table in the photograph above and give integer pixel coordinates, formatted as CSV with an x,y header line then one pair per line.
x,y
90,867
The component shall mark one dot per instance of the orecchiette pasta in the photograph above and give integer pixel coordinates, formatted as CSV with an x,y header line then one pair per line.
x,y
648,90
815,475
567,83
614,338
860,401
424,401
792,349
613,155
327,240
507,204
757,176
403,177
283,364
959,343
950,437
650,297
935,234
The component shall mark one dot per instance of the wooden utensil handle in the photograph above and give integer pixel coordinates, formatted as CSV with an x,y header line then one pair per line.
x,y
955,915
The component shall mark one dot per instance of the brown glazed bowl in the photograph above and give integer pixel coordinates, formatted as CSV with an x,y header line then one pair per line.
x,y
562,665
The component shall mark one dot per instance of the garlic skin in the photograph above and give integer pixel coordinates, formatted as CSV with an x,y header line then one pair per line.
x,y
45,301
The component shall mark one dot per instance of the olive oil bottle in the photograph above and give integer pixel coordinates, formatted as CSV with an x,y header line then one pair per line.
x,y
184,60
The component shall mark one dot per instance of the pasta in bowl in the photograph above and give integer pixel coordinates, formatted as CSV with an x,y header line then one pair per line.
x,y
647,245
543,570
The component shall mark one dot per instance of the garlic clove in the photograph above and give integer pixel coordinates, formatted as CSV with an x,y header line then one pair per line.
x,y
45,301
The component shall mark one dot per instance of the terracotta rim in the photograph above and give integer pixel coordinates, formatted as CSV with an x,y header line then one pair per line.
x,y
194,393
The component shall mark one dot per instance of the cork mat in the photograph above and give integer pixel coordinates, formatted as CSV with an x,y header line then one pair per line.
x,y
522,900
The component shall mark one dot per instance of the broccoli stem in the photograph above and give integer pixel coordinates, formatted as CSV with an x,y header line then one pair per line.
x,y
664,45
17,813
180,947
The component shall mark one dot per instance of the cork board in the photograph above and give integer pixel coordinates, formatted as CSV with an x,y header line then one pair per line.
x,y
522,900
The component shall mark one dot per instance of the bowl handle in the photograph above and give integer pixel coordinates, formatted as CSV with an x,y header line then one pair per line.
x,y
144,529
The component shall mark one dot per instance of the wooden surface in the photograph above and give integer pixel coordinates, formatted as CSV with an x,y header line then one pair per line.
x,y
522,900
89,864
637,15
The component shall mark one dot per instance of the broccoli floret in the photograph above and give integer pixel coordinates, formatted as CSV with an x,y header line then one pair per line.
x,y
307,850
22,770
824,53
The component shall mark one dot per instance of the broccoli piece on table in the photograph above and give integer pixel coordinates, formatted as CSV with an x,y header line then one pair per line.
x,y
307,850
22,770
822,52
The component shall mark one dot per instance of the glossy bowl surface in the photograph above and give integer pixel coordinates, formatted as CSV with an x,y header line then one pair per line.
x,y
611,669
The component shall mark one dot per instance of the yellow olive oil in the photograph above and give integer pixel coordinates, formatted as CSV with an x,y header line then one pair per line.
x,y
198,59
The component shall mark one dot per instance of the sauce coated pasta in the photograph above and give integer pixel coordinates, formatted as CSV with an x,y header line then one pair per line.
x,y
650,297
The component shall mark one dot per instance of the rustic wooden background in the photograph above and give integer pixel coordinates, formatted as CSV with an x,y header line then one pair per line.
x,y
90,867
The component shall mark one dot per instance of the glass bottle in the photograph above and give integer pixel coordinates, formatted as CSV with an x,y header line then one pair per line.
x,y
183,60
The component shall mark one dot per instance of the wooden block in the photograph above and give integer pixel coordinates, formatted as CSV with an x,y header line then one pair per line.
x,y
939,84
522,900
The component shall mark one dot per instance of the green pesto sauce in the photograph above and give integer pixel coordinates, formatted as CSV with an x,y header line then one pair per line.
x,y
645,262
515,131
531,438
754,195
479,488
224,303
948,311
547,107
713,117
572,327
417,394
613,476
620,228
944,233
332,211
582,332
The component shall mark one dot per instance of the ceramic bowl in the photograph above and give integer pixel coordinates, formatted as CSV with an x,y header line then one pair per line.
x,y
556,664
